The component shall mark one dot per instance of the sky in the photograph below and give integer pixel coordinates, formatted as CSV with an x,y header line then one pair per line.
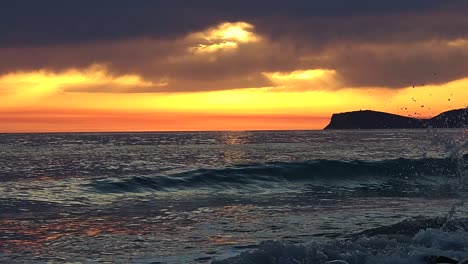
x,y
119,65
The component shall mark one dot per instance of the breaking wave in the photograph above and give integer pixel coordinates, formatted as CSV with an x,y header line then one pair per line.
x,y
413,241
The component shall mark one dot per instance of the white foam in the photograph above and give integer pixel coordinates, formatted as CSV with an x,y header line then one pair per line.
x,y
385,249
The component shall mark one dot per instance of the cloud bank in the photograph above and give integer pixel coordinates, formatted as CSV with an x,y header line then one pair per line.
x,y
175,46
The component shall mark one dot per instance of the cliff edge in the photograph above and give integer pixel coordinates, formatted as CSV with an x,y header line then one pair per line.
x,y
380,120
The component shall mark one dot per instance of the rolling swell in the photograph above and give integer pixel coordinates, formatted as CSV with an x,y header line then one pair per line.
x,y
313,173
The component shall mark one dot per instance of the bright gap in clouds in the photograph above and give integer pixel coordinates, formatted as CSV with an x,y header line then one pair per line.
x,y
225,36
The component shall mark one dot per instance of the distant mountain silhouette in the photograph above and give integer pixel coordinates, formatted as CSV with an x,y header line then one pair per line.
x,y
380,120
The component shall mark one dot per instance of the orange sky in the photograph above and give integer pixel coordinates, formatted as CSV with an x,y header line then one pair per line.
x,y
95,98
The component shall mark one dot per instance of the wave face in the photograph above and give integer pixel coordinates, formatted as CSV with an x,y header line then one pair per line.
x,y
389,244
398,176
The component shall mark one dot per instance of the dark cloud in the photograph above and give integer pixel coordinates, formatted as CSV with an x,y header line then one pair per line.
x,y
402,65
387,43
49,22
155,60
32,23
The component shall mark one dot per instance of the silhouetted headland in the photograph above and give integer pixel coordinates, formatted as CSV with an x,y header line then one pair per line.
x,y
368,119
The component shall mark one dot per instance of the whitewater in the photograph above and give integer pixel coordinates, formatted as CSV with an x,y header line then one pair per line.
x,y
369,196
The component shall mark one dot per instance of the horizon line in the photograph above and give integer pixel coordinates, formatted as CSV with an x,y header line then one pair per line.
x,y
153,131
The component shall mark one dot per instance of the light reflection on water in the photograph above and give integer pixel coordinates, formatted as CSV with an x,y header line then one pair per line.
x,y
50,211
151,229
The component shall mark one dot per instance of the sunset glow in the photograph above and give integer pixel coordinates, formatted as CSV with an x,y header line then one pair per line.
x,y
99,98
239,131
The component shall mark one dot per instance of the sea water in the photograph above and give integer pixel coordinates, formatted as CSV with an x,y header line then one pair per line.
x,y
386,196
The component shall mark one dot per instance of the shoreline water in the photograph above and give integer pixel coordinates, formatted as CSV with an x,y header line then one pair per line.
x,y
202,197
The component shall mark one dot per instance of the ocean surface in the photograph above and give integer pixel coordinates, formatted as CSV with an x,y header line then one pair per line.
x,y
388,196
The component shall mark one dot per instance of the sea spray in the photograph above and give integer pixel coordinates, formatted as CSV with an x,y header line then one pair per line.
x,y
455,146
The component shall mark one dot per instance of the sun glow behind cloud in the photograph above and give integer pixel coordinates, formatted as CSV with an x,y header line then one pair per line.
x,y
225,36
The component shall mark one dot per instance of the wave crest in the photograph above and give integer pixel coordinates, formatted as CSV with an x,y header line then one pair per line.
x,y
321,173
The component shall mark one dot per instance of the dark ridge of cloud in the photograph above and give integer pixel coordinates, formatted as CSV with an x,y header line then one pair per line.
x,y
321,32
178,86
255,80
26,23
392,65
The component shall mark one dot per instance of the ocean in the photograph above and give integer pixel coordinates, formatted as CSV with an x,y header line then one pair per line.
x,y
370,196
